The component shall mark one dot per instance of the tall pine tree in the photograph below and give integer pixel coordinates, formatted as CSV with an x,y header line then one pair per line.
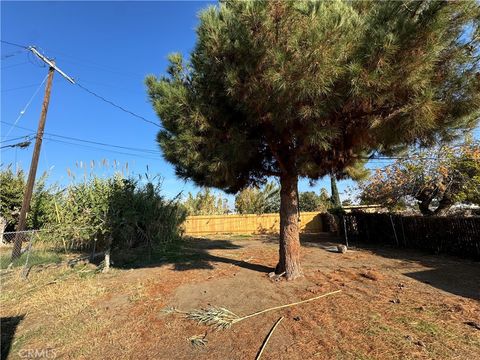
x,y
304,89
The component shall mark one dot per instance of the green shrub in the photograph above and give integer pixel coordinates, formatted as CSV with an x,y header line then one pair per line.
x,y
114,212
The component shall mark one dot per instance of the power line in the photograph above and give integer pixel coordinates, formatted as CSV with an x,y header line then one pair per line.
x,y
26,137
153,152
23,145
92,92
14,44
104,144
147,151
117,106
97,149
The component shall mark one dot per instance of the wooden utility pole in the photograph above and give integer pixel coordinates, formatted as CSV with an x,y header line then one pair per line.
x,y
17,245
27,197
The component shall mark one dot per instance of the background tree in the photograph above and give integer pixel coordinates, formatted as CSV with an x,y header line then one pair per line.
x,y
304,89
254,200
310,201
12,186
11,195
205,202
435,179
336,203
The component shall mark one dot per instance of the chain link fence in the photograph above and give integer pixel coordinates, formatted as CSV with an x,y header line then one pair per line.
x,y
39,249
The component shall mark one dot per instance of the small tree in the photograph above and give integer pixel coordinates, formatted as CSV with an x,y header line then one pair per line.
x,y
435,179
304,89
205,202
253,200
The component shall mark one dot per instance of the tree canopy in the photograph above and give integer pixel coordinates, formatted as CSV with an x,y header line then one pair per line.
x,y
311,87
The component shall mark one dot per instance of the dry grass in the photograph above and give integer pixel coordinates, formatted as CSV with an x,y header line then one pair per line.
x,y
88,315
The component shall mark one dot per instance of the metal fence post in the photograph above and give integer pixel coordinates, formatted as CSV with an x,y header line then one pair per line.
x,y
29,250
394,231
345,230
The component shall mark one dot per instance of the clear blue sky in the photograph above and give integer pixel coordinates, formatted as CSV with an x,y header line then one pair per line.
x,y
109,47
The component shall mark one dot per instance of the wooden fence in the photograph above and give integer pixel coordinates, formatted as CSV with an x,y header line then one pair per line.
x,y
449,235
310,222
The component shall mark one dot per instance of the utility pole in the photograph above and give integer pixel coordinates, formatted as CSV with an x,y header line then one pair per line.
x,y
27,197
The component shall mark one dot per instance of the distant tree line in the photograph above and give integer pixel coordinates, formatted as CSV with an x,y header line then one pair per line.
x,y
259,200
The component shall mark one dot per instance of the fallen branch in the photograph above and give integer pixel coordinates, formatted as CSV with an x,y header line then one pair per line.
x,y
222,318
287,305
268,338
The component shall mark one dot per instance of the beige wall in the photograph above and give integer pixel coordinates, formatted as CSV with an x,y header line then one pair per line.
x,y
310,222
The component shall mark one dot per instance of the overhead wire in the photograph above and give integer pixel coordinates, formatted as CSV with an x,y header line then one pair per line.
x,y
13,44
16,138
116,105
23,144
22,112
141,150
122,108
48,138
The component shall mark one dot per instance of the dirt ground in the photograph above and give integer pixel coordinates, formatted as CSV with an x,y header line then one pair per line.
x,y
394,304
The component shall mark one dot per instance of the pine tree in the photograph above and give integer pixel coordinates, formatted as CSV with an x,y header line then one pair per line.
x,y
304,89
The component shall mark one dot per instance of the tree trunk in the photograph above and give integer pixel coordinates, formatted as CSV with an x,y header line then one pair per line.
x,y
289,262
444,205
424,207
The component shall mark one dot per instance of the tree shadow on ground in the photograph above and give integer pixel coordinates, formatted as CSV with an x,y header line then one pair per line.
x,y
448,273
322,240
189,254
8,326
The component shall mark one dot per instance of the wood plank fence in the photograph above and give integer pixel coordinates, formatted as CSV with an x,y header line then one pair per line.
x,y
310,222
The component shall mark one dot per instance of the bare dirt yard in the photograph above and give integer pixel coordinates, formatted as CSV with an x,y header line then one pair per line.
x,y
394,304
